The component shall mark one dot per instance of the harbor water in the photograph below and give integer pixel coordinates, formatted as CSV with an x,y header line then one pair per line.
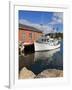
x,y
39,61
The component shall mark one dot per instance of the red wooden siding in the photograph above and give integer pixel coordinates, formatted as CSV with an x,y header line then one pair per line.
x,y
28,35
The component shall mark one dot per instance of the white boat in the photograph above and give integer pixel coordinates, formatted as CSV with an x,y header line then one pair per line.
x,y
46,43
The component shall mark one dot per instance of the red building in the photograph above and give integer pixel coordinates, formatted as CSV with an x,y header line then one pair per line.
x,y
28,34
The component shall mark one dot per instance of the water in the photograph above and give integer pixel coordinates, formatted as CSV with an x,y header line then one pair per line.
x,y
39,61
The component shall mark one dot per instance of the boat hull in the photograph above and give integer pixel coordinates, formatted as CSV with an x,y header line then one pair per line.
x,y
44,47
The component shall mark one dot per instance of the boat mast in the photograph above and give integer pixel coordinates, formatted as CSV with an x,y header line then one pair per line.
x,y
42,22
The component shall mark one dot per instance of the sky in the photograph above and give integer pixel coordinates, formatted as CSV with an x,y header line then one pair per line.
x,y
45,21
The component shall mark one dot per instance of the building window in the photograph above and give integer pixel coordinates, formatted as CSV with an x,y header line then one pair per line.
x,y
30,35
23,36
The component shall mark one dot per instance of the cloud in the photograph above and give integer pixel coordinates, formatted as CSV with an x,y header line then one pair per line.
x,y
23,21
58,14
45,28
57,18
26,22
56,22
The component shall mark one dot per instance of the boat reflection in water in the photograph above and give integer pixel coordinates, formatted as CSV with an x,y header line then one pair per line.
x,y
45,54
47,60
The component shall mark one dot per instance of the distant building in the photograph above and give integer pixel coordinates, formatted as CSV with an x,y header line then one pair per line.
x,y
28,34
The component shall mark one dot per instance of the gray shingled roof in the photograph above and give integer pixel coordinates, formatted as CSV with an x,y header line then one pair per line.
x,y
30,28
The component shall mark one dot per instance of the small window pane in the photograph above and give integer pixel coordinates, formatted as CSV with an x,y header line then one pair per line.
x,y
30,35
23,36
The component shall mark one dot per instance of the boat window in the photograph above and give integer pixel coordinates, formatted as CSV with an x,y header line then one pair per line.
x,y
47,40
42,40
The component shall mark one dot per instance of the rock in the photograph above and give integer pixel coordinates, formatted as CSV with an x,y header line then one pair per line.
x,y
40,76
50,73
26,74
